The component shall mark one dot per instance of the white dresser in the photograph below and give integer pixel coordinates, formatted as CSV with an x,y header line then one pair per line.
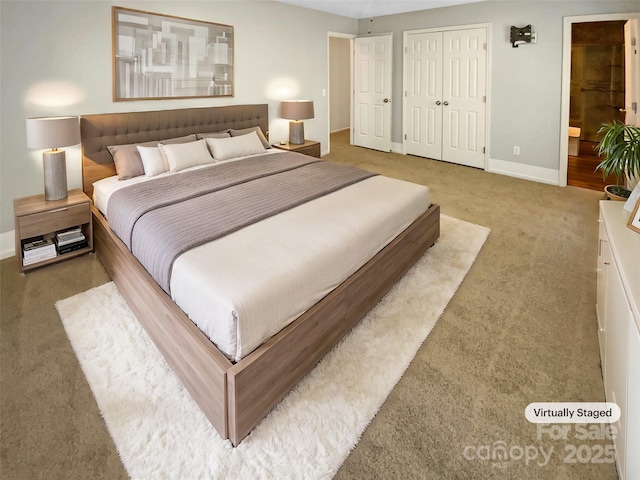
x,y
618,315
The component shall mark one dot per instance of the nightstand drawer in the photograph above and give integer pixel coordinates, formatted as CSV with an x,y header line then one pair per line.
x,y
309,147
312,150
54,220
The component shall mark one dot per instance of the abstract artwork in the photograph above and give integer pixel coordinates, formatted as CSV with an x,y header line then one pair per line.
x,y
162,56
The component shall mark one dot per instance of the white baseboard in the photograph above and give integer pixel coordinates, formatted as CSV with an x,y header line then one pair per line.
x,y
526,172
7,244
512,169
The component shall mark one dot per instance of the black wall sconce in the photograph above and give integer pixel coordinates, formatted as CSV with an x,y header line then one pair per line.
x,y
522,35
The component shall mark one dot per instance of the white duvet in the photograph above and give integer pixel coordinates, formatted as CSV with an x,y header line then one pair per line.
x,y
243,288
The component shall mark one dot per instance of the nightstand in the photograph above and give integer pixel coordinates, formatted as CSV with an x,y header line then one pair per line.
x,y
37,218
309,147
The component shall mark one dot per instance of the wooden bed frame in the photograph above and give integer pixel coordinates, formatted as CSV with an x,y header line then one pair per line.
x,y
234,397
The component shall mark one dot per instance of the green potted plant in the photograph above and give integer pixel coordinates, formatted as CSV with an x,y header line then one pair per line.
x,y
620,146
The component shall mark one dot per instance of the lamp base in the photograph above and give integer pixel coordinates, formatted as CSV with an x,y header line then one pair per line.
x,y
55,175
296,132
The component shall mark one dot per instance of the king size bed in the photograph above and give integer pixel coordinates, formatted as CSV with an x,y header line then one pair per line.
x,y
244,264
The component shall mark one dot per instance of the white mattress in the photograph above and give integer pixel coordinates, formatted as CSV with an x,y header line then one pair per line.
x,y
243,288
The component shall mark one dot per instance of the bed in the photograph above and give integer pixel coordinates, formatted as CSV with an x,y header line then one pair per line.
x,y
237,388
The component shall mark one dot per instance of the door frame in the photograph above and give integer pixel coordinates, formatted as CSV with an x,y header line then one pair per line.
x,y
563,162
487,112
351,38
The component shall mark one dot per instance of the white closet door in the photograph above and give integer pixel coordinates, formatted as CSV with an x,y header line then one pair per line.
x,y
445,82
423,95
464,94
372,81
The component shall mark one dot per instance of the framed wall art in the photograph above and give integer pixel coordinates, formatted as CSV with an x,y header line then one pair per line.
x,y
161,56
634,219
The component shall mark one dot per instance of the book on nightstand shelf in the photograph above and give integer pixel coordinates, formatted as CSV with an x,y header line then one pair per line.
x,y
69,235
72,247
38,249
70,240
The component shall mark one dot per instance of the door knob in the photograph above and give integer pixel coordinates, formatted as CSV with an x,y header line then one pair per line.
x,y
386,100
438,102
446,103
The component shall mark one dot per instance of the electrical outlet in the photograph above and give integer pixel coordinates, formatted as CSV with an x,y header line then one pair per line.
x,y
516,150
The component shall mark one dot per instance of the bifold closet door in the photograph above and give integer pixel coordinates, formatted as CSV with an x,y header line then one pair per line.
x,y
445,96
423,96
464,96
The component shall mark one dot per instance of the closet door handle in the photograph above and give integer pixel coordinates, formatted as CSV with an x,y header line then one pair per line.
x,y
438,102
446,103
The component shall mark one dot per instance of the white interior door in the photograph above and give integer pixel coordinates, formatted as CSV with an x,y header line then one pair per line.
x,y
445,81
464,96
372,92
423,95
631,73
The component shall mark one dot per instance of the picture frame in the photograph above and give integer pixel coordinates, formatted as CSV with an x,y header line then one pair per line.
x,y
634,219
158,57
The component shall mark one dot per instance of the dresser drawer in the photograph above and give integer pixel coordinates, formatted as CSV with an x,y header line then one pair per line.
x,y
54,220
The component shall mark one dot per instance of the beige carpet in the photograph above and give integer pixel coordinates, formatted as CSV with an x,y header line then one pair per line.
x,y
520,329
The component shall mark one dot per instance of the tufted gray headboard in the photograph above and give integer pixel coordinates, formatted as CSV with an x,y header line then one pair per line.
x,y
101,130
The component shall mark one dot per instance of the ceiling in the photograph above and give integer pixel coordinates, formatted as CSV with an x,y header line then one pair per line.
x,y
373,8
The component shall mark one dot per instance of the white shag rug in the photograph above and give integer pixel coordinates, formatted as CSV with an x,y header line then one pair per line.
x,y
159,431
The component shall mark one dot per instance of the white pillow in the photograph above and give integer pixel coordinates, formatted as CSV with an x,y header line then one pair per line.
x,y
164,157
232,147
185,155
152,161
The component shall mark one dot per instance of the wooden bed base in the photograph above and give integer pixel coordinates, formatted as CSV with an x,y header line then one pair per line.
x,y
236,397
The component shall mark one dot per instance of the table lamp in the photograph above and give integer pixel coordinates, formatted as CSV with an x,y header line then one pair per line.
x,y
53,132
296,111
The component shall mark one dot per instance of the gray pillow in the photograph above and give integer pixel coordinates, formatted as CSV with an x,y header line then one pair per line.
x,y
168,141
225,134
127,161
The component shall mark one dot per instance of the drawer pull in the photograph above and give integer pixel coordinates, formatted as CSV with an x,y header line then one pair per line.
x,y
61,209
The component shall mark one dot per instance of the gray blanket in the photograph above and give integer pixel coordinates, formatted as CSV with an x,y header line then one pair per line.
x,y
162,218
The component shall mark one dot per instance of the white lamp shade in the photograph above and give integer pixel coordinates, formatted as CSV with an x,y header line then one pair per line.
x,y
52,132
296,109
